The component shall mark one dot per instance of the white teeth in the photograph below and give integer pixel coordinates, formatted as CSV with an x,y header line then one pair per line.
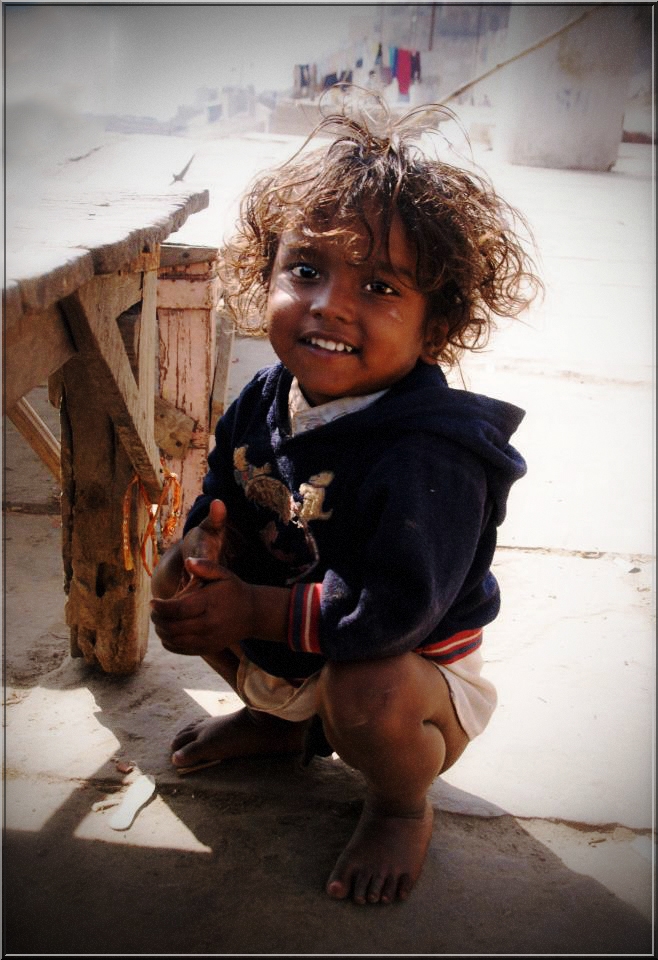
x,y
331,345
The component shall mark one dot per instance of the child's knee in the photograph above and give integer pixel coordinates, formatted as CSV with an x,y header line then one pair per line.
x,y
361,695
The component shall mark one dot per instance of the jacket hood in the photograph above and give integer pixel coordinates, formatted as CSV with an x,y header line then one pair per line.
x,y
423,401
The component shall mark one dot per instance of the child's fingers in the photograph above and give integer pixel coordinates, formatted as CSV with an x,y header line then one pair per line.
x,y
216,518
177,609
188,604
205,569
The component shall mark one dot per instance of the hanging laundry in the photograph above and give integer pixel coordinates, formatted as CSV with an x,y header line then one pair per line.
x,y
404,71
415,67
393,60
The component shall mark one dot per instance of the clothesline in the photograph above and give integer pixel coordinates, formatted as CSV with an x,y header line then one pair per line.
x,y
379,64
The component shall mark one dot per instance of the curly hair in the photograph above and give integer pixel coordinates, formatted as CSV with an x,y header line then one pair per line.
x,y
471,260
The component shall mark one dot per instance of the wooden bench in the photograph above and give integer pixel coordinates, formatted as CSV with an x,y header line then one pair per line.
x,y
124,329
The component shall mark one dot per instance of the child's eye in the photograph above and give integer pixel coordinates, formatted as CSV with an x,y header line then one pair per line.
x,y
378,286
304,271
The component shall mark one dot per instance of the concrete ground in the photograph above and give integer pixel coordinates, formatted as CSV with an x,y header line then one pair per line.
x,y
544,836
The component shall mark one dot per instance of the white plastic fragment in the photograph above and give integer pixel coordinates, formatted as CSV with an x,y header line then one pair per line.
x,y
136,796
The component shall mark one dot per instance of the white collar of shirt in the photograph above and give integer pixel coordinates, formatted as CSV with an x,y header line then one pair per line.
x,y
305,417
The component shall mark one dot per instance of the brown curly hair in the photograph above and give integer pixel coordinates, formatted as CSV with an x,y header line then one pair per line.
x,y
471,261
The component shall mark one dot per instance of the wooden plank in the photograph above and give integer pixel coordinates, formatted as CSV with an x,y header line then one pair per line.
x,y
91,313
225,335
55,389
193,294
44,270
174,430
187,346
129,324
30,425
180,254
148,347
151,220
35,345
96,233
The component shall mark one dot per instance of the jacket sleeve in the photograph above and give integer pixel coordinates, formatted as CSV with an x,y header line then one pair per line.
x,y
421,514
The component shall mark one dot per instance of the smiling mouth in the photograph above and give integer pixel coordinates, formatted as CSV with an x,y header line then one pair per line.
x,y
333,346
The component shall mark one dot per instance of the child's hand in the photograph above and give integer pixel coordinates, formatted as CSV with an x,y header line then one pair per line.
x,y
203,548
205,621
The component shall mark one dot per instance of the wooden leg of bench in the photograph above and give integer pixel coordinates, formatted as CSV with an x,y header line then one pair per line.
x,y
107,606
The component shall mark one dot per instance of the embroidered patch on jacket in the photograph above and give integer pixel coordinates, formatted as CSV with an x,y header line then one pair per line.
x,y
278,536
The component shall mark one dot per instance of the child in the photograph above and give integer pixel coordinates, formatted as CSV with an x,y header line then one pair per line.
x,y
336,568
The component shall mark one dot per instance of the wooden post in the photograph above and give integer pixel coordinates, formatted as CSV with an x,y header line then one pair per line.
x,y
188,295
108,446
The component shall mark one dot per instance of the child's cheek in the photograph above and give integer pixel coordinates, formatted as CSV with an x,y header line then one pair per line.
x,y
282,301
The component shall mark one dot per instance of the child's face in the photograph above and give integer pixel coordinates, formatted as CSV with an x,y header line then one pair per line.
x,y
345,329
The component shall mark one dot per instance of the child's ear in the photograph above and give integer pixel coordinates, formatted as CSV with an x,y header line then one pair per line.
x,y
428,355
436,335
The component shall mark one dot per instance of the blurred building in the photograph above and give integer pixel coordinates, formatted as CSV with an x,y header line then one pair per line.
x,y
567,102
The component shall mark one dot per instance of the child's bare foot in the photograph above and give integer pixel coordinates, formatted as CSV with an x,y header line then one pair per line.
x,y
384,858
209,741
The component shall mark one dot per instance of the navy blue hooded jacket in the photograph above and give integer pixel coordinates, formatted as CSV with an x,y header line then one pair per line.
x,y
393,509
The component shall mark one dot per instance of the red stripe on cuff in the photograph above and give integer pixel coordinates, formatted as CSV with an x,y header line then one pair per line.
x,y
453,648
304,618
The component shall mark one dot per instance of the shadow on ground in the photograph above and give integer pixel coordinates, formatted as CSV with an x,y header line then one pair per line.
x,y
264,835
488,887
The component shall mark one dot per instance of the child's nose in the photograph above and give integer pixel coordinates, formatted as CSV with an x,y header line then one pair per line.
x,y
333,300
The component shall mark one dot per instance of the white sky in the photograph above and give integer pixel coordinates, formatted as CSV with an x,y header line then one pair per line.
x,y
149,58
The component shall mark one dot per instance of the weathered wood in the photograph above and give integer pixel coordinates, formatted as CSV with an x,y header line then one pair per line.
x,y
55,389
30,425
91,313
187,343
180,254
35,345
154,225
129,323
225,335
107,607
77,260
194,294
146,375
174,429
188,296
97,232
11,300
45,271
147,260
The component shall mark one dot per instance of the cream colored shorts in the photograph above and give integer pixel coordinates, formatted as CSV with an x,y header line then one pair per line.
x,y
474,698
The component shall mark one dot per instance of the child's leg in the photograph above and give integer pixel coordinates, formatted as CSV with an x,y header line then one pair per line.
x,y
247,732
393,720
